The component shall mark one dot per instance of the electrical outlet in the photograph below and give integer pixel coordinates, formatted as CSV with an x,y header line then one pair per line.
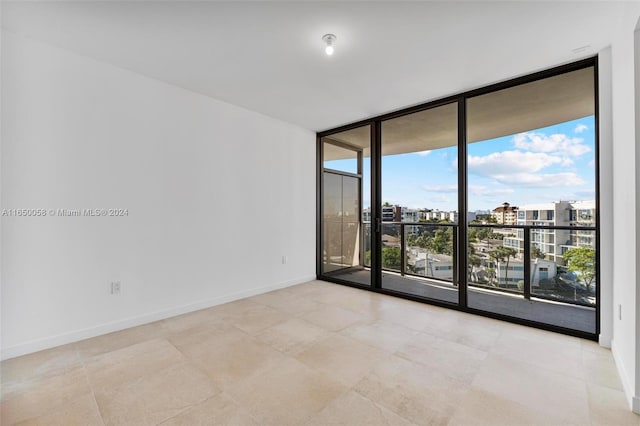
x,y
115,287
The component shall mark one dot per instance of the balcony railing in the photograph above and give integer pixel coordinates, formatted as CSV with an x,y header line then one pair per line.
x,y
544,275
430,250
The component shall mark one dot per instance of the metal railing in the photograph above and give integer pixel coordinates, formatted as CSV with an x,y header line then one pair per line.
x,y
527,260
399,231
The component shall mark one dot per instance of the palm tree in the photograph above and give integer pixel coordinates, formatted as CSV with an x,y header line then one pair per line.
x,y
509,253
498,256
503,254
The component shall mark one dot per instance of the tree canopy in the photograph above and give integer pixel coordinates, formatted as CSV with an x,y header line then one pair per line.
x,y
582,261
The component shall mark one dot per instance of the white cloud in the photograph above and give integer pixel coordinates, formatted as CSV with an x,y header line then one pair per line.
x,y
510,162
481,190
439,199
566,162
423,153
580,128
440,188
540,180
558,144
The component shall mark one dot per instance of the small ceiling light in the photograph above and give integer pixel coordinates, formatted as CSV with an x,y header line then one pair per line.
x,y
328,40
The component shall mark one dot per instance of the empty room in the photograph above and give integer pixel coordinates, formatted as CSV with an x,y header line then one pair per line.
x,y
320,213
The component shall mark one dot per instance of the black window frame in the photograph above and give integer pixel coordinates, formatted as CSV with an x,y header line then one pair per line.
x,y
460,99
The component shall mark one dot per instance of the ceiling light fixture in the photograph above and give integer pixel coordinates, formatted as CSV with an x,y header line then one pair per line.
x,y
328,40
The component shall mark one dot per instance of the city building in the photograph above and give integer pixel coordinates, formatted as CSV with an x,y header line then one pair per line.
x,y
505,214
554,243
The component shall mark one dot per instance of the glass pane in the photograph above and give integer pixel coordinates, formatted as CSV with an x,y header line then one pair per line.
x,y
570,275
531,177
430,251
340,159
420,196
332,226
347,206
493,261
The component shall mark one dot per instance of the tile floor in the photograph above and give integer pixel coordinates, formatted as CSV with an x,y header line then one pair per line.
x,y
318,354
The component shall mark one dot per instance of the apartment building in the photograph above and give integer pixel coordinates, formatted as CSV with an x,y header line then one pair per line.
x,y
554,243
505,214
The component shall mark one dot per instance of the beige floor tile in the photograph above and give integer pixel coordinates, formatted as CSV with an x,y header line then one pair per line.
x,y
334,318
542,336
342,358
454,359
155,397
120,339
258,318
290,357
217,410
287,302
235,309
114,368
287,394
470,330
44,396
197,343
417,393
291,336
319,289
18,373
560,356
480,407
409,316
231,356
609,407
369,304
382,335
311,287
191,322
82,411
353,409
600,369
562,396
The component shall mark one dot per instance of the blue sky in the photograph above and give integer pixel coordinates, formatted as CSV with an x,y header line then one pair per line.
x,y
542,165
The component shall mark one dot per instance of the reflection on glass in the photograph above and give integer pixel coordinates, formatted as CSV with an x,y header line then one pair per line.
x,y
346,235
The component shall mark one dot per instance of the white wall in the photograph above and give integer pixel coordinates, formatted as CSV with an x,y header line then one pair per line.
x,y
625,206
605,157
216,196
636,397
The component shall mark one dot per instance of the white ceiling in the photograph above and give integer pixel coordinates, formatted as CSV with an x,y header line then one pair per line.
x,y
269,57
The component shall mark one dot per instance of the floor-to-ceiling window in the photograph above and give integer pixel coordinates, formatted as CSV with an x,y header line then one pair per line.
x,y
484,201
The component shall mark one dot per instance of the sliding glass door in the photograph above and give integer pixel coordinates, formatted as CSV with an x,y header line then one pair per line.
x,y
486,202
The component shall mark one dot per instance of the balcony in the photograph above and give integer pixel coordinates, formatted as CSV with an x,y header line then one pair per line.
x,y
420,259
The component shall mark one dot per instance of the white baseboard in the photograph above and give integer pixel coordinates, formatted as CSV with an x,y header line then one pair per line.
x,y
604,341
632,400
86,333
